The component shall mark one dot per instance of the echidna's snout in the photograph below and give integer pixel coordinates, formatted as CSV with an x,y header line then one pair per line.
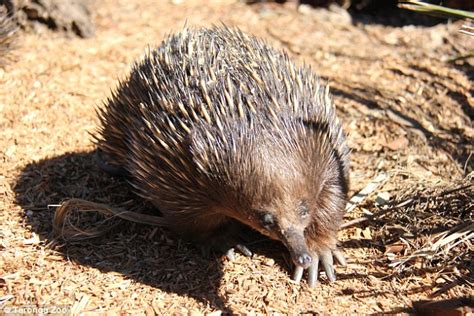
x,y
296,244
304,260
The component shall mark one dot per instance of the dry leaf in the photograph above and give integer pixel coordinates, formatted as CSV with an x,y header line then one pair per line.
x,y
395,248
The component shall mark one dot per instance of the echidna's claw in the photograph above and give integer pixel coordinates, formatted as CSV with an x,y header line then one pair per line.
x,y
313,272
244,250
339,256
328,265
230,253
298,274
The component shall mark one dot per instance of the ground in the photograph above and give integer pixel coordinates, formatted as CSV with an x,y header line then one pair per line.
x,y
407,109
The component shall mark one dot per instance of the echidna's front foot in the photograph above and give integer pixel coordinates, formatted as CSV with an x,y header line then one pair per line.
x,y
326,259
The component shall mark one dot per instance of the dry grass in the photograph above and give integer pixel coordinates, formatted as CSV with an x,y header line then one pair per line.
x,y
428,227
427,8
408,114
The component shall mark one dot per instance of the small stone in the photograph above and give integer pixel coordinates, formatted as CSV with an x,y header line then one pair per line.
x,y
382,198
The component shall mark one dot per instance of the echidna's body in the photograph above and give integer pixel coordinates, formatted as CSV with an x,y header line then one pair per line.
x,y
8,29
215,127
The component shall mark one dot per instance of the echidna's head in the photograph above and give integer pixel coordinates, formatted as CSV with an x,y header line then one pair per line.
x,y
285,181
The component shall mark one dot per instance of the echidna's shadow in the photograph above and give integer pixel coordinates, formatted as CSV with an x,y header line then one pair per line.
x,y
142,253
146,254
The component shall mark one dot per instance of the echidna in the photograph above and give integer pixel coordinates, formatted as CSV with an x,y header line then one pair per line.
x,y
217,129
8,30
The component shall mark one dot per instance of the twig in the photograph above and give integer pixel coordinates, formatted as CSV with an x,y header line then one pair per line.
x,y
431,250
445,288
376,215
470,154
364,193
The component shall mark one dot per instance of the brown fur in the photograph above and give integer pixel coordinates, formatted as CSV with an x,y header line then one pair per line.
x,y
215,127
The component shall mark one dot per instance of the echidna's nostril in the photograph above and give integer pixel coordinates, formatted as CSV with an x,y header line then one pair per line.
x,y
304,259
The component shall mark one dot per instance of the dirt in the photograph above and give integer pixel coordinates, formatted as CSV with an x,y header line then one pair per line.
x,y
407,109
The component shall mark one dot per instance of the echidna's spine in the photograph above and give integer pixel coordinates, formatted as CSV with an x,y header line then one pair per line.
x,y
8,33
191,67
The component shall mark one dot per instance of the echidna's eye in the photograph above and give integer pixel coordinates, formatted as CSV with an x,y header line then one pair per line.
x,y
267,221
303,209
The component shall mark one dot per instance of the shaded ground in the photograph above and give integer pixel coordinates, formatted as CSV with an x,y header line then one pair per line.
x,y
407,111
